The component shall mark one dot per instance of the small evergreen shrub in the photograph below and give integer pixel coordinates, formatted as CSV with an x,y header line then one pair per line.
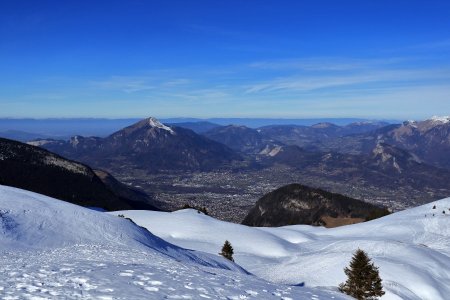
x,y
227,251
363,279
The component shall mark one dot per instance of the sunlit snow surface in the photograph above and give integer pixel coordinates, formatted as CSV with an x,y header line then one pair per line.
x,y
50,249
411,248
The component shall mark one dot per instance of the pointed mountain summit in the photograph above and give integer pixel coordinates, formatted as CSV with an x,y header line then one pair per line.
x,y
147,145
150,124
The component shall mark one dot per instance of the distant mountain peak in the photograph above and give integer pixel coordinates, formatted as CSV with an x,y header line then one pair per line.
x,y
439,119
148,144
149,124
153,122
324,125
428,124
237,126
364,122
410,123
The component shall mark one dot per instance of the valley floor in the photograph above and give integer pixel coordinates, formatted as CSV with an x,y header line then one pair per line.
x,y
230,195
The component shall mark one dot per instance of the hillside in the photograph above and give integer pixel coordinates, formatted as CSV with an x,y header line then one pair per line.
x,y
411,248
136,198
38,170
298,204
239,138
55,250
198,127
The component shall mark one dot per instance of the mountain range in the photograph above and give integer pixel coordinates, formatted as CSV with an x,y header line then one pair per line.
x,y
146,145
250,140
356,159
428,140
102,127
411,154
386,166
309,136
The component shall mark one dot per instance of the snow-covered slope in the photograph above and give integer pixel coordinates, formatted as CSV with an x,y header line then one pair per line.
x,y
411,248
32,221
51,249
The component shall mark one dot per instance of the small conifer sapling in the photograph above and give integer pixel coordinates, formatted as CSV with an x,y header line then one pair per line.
x,y
227,251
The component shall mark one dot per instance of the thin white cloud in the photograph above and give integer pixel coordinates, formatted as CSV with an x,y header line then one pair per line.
x,y
434,45
326,63
314,82
177,82
125,84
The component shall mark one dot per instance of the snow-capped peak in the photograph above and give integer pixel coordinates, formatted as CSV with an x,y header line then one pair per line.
x,y
411,123
153,122
439,119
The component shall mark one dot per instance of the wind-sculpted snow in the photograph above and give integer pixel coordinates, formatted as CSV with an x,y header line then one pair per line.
x,y
33,221
51,249
411,248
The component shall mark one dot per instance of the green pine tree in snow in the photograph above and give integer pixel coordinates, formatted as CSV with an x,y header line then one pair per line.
x,y
363,280
227,251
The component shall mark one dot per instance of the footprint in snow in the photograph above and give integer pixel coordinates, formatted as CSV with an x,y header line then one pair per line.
x,y
252,293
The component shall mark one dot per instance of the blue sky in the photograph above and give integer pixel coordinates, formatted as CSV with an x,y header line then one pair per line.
x,y
282,59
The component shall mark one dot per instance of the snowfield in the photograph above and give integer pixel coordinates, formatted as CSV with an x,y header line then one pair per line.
x,y
50,249
411,248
